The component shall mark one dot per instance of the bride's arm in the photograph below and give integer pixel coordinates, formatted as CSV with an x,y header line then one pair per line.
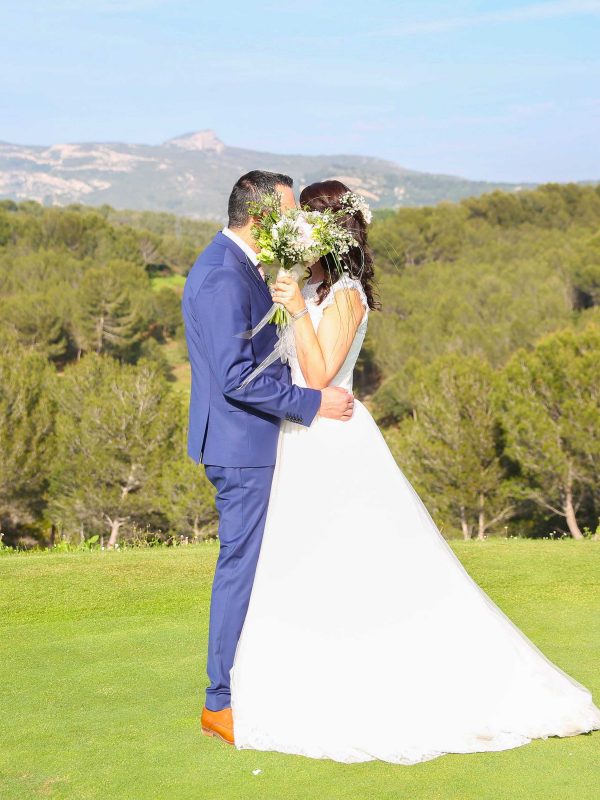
x,y
321,353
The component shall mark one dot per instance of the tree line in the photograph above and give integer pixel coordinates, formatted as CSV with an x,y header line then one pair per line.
x,y
91,431
97,450
485,367
518,445
482,367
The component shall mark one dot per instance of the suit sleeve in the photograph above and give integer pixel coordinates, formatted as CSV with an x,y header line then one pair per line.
x,y
222,311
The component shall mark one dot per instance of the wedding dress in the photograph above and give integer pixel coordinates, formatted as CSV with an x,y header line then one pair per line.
x,y
365,637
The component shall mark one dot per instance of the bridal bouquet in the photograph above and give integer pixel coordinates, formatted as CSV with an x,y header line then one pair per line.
x,y
294,239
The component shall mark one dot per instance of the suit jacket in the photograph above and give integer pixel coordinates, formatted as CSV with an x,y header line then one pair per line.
x,y
225,295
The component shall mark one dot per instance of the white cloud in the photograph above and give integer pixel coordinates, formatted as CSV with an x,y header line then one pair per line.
x,y
533,109
528,13
100,6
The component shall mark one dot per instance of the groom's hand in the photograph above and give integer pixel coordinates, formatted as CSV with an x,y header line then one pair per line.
x,y
336,403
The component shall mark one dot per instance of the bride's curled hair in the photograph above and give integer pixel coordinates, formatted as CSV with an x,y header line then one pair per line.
x,y
358,261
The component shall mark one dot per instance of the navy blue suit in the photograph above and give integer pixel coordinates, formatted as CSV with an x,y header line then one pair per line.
x,y
234,433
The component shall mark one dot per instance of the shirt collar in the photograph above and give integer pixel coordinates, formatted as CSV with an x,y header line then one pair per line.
x,y
241,244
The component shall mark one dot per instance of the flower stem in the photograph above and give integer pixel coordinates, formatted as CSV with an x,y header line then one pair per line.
x,y
280,317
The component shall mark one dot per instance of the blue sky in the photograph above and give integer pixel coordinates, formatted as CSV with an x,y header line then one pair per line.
x,y
491,90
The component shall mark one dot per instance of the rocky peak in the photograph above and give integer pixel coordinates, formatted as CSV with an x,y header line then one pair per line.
x,y
197,140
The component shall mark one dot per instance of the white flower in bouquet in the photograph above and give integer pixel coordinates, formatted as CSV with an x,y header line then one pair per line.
x,y
293,239
296,238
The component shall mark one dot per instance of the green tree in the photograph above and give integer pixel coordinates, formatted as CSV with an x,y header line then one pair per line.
x,y
586,274
72,230
551,409
114,305
167,313
38,321
26,435
451,445
187,497
118,426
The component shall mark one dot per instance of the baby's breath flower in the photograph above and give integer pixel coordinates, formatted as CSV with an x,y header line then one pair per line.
x,y
355,203
297,236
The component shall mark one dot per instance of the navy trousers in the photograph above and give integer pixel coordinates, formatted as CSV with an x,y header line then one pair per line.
x,y
242,500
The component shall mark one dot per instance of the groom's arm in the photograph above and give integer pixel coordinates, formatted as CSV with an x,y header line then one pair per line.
x,y
222,311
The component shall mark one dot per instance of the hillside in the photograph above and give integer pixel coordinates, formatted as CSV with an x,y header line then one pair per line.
x,y
192,175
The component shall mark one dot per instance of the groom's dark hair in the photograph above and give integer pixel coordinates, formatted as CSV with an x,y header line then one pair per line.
x,y
249,188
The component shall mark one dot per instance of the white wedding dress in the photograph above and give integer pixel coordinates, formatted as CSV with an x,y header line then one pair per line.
x,y
365,637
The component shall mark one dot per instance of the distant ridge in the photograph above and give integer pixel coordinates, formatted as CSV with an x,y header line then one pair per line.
x,y
192,175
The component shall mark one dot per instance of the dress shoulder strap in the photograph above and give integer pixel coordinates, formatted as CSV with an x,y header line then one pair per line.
x,y
346,282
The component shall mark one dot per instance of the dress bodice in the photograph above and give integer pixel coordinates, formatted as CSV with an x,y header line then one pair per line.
x,y
315,310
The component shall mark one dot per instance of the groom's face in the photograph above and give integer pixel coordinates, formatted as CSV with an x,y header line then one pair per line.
x,y
287,197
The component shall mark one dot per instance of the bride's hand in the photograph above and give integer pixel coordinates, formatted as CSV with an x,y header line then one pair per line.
x,y
287,292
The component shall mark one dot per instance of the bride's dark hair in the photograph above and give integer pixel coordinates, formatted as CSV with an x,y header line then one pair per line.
x,y
358,262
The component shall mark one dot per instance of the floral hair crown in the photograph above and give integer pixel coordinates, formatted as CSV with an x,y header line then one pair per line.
x,y
354,203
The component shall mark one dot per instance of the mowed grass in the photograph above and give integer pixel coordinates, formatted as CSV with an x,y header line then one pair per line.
x,y
103,675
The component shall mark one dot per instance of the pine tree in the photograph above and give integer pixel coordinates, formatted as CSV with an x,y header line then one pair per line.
x,y
26,435
451,448
118,426
114,303
38,322
188,497
551,402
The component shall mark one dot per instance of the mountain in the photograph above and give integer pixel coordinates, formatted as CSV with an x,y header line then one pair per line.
x,y
193,174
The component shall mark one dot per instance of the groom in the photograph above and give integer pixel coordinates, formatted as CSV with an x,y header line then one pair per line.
x,y
234,432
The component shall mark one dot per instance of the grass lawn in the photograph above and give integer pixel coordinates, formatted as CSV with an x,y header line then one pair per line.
x,y
103,678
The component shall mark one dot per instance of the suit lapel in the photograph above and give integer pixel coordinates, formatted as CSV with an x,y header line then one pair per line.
x,y
256,276
245,262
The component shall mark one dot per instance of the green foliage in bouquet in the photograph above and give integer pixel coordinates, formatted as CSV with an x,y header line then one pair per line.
x,y
296,238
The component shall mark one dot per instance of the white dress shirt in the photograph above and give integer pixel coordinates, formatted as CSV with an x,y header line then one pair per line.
x,y
245,247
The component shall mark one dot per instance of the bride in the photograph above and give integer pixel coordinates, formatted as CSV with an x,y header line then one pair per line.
x,y
365,638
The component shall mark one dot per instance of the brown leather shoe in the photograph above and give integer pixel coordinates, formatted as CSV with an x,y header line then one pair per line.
x,y
217,723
